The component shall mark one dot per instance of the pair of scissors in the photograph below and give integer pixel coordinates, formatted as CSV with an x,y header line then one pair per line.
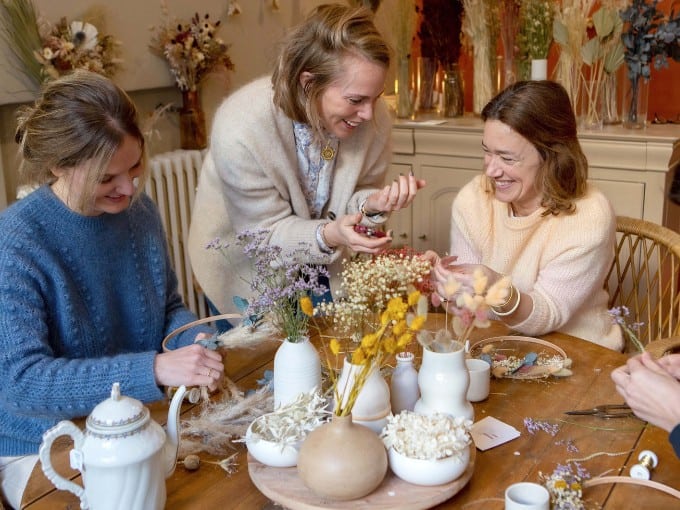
x,y
605,411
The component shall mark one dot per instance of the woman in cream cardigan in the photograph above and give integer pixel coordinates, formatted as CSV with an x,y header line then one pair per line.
x,y
302,154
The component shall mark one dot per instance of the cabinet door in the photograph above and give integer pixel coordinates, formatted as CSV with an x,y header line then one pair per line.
x,y
400,221
432,206
627,198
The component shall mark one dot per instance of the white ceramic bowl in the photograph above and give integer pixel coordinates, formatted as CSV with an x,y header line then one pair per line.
x,y
269,452
428,472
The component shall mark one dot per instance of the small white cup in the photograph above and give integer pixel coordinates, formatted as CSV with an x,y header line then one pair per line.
x,y
527,496
480,376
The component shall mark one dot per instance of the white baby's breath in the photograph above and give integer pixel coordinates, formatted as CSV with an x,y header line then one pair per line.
x,y
436,436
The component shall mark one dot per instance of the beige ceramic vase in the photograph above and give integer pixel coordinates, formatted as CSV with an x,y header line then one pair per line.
x,y
342,460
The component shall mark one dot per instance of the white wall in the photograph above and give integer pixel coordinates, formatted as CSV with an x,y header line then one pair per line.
x,y
253,36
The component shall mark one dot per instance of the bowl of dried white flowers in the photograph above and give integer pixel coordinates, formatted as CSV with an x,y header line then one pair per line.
x,y
274,438
427,450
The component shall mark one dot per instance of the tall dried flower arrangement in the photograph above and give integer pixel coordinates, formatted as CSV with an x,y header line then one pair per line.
x,y
440,31
509,27
402,21
535,34
569,31
478,35
601,54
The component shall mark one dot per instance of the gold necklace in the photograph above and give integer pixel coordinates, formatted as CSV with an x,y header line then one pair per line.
x,y
328,152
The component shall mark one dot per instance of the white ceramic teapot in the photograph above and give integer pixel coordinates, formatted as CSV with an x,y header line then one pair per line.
x,y
124,456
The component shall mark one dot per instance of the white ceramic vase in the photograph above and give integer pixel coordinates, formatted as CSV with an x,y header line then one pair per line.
x,y
428,472
539,69
297,369
404,391
269,452
372,406
443,380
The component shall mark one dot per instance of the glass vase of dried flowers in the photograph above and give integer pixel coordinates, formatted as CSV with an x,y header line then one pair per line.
x,y
648,36
192,50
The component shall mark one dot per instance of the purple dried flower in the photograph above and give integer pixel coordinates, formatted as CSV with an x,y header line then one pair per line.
x,y
534,426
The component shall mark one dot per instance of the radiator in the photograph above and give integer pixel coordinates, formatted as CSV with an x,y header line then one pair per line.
x,y
173,177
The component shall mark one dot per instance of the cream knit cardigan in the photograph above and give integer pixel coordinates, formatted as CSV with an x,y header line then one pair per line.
x,y
560,261
249,180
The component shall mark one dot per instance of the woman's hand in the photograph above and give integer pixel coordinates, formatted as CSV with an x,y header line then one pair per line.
x,y
651,392
341,233
193,365
396,195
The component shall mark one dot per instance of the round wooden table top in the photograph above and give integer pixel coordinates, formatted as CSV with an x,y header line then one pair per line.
x,y
284,486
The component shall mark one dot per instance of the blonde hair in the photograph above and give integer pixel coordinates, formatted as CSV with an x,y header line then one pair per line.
x,y
78,119
317,46
541,112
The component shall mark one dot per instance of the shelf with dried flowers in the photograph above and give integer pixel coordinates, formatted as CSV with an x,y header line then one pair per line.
x,y
192,50
47,51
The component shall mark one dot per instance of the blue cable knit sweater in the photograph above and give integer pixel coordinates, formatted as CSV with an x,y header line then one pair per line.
x,y
84,302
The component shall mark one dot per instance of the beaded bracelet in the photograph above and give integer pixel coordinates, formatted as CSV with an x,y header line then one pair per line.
x,y
514,307
321,239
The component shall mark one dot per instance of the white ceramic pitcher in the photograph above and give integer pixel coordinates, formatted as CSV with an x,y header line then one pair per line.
x,y
123,455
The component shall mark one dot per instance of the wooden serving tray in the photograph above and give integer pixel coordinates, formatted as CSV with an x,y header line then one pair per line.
x,y
284,486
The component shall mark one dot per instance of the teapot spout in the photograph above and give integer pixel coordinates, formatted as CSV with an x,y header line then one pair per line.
x,y
172,441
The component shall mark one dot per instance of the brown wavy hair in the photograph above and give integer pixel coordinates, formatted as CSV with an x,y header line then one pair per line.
x,y
79,118
540,111
317,46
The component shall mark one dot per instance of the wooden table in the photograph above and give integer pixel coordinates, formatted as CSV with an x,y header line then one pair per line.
x,y
617,441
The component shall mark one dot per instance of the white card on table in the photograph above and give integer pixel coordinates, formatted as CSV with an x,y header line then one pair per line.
x,y
490,432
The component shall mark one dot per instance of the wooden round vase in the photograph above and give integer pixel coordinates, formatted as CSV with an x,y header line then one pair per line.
x,y
342,460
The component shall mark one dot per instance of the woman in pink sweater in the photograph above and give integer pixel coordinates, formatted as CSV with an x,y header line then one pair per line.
x,y
533,216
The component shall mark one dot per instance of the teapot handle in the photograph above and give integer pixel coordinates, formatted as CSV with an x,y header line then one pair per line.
x,y
64,428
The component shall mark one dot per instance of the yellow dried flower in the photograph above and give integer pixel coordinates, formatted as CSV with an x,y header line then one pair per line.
x,y
306,306
335,346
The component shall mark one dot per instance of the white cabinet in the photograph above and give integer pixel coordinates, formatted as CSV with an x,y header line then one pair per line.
x,y
629,166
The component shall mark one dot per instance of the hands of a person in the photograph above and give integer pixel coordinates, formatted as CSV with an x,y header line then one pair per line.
x,y
447,268
650,391
396,195
671,364
340,232
193,365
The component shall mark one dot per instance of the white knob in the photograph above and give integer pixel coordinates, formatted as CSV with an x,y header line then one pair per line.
x,y
640,472
648,461
650,455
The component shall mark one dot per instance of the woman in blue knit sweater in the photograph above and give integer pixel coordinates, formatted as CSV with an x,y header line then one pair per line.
x,y
87,291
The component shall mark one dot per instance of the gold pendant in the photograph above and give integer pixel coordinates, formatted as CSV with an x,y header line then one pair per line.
x,y
327,153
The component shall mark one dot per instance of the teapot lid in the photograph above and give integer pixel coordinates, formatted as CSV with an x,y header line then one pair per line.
x,y
117,415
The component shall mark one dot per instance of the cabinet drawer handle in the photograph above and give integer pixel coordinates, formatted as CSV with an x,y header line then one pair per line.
x,y
403,235
423,237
